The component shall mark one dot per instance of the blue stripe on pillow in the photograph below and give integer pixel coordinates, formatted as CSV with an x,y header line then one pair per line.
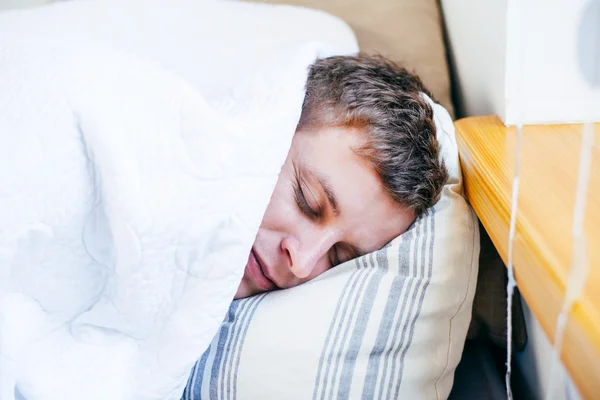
x,y
427,263
351,353
224,366
401,309
344,313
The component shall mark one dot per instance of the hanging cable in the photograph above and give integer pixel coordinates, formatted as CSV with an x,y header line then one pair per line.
x,y
589,61
516,91
579,260
511,284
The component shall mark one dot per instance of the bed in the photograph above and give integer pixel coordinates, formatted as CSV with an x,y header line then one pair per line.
x,y
410,32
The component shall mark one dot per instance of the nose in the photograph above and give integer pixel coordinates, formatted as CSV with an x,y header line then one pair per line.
x,y
304,255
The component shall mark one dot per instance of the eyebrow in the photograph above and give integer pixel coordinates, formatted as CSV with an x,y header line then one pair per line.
x,y
332,200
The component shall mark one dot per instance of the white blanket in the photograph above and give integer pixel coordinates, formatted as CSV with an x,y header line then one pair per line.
x,y
128,205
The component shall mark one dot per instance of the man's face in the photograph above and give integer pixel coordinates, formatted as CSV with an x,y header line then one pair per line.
x,y
328,206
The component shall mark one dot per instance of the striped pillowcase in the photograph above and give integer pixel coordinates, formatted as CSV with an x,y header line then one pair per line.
x,y
389,325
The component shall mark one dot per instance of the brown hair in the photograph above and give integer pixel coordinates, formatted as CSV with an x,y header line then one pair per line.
x,y
384,100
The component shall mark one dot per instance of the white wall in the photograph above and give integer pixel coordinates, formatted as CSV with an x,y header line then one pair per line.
x,y
519,59
544,81
477,33
534,364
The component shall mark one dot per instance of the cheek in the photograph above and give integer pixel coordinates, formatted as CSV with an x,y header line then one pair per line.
x,y
322,266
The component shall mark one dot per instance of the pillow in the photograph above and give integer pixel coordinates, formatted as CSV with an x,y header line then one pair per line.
x,y
212,44
409,32
391,324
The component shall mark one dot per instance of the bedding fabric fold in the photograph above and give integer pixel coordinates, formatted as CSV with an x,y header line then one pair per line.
x,y
128,206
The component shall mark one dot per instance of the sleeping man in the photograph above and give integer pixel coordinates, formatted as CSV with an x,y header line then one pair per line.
x,y
107,165
363,164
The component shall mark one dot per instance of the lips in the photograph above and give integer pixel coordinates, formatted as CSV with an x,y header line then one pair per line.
x,y
258,273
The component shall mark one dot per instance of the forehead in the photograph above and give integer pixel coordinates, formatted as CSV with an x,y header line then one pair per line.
x,y
369,216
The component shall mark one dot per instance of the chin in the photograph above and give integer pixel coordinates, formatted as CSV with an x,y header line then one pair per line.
x,y
244,290
241,292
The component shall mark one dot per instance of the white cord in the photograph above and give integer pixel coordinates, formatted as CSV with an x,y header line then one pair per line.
x,y
579,256
515,92
579,268
511,284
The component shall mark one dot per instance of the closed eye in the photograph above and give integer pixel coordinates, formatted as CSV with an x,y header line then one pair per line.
x,y
334,258
301,200
303,204
342,252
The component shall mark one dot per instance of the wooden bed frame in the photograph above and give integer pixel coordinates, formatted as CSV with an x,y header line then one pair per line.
x,y
543,244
